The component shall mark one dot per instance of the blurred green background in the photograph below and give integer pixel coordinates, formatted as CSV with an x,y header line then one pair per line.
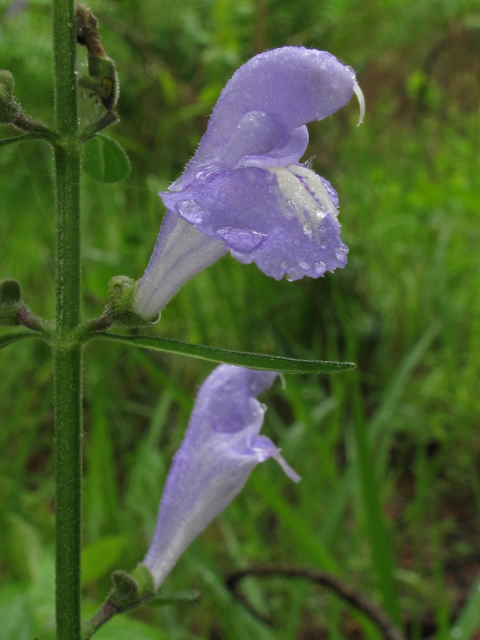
x,y
389,454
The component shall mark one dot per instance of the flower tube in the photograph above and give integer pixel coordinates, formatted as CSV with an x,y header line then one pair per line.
x,y
245,190
221,447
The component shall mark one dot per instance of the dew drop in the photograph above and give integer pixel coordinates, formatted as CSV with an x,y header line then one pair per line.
x,y
308,230
284,265
340,254
191,210
293,275
456,632
241,239
319,268
305,266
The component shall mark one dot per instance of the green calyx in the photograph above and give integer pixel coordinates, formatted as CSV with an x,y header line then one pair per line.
x,y
131,589
121,294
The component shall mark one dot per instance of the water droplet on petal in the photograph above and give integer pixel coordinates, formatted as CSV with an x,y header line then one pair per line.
x,y
284,265
293,274
319,268
191,211
305,266
241,239
308,229
341,254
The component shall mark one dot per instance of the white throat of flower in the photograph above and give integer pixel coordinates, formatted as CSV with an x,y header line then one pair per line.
x,y
305,196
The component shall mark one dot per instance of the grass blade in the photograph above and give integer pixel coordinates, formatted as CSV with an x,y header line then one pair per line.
x,y
380,543
292,521
469,619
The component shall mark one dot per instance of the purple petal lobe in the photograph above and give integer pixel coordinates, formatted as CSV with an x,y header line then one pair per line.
x,y
241,239
289,151
333,195
284,219
221,447
257,133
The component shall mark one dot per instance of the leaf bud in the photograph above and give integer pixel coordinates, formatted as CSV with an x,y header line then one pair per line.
x,y
10,302
9,106
10,291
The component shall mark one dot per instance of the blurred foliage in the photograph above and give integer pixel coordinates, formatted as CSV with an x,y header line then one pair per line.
x,y
406,309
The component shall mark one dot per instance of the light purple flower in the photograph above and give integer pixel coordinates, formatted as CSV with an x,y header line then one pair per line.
x,y
245,191
221,447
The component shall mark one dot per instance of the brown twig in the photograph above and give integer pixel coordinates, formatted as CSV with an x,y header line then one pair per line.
x,y
346,592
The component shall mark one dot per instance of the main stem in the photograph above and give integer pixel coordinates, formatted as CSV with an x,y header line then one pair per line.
x,y
67,351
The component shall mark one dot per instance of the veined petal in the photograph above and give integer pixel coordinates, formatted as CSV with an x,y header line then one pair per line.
x,y
181,252
284,218
221,447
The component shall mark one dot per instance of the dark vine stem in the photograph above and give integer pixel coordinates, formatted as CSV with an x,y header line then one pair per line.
x,y
335,584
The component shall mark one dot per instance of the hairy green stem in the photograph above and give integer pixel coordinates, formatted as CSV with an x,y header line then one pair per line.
x,y
68,416
67,351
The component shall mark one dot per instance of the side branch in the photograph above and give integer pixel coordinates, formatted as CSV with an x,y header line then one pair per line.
x,y
34,135
344,591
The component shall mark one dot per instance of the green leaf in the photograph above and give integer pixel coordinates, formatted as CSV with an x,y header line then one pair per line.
x,y
24,547
9,338
100,557
105,160
15,613
242,358
469,619
125,628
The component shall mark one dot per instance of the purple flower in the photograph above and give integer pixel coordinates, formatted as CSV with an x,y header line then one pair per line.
x,y
245,191
221,447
